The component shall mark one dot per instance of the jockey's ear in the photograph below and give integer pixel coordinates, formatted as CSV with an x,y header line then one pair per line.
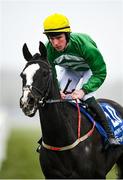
x,y
26,53
42,50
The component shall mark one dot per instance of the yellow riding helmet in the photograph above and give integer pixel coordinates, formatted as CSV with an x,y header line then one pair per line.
x,y
56,23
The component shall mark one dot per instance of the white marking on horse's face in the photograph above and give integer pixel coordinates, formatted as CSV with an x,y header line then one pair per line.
x,y
29,72
27,102
25,95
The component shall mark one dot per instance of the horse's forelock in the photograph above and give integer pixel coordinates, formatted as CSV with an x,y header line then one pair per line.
x,y
37,56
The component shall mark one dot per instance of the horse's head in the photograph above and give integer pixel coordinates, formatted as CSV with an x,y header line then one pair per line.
x,y
36,77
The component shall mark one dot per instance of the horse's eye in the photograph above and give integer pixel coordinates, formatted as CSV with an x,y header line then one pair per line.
x,y
45,73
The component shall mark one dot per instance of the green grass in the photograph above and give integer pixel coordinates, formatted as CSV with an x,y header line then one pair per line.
x,y
112,174
22,159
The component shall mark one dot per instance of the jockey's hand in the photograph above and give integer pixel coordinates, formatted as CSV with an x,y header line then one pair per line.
x,y
78,94
62,95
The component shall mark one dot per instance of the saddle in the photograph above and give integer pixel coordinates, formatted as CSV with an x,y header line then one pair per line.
x,y
113,118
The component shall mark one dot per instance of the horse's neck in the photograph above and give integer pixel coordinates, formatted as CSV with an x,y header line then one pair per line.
x,y
54,122
54,90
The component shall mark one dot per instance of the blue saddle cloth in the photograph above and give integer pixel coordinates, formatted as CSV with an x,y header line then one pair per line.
x,y
113,118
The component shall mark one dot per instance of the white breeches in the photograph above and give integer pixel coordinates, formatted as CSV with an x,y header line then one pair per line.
x,y
78,79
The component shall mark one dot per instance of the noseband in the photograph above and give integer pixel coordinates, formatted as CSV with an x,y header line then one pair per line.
x,y
46,92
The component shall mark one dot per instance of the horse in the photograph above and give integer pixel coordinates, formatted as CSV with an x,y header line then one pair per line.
x,y
62,154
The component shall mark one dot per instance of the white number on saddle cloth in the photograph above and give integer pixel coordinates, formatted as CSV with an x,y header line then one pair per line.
x,y
114,117
115,122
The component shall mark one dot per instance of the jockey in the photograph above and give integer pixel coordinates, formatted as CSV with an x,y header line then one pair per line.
x,y
81,61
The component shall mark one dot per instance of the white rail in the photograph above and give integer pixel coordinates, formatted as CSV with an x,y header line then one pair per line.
x,y
3,136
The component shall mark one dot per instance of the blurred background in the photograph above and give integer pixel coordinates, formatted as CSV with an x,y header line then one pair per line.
x,y
21,21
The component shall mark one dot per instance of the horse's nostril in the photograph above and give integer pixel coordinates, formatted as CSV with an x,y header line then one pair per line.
x,y
25,109
31,100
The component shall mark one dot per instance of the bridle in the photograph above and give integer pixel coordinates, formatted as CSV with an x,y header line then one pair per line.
x,y
41,100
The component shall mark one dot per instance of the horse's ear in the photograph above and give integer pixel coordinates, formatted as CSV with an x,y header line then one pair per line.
x,y
27,55
42,50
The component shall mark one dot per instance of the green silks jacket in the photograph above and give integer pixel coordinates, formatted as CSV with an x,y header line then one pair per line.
x,y
81,54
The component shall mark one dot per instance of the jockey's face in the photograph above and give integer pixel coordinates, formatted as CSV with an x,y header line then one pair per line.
x,y
58,42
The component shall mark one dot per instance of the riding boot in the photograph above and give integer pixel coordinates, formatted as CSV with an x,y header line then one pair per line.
x,y
100,116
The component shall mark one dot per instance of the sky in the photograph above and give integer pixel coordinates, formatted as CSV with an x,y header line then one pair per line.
x,y
22,21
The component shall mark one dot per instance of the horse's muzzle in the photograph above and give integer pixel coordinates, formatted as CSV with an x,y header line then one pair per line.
x,y
29,107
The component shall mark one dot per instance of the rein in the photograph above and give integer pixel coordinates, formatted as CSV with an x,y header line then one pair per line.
x,y
80,139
